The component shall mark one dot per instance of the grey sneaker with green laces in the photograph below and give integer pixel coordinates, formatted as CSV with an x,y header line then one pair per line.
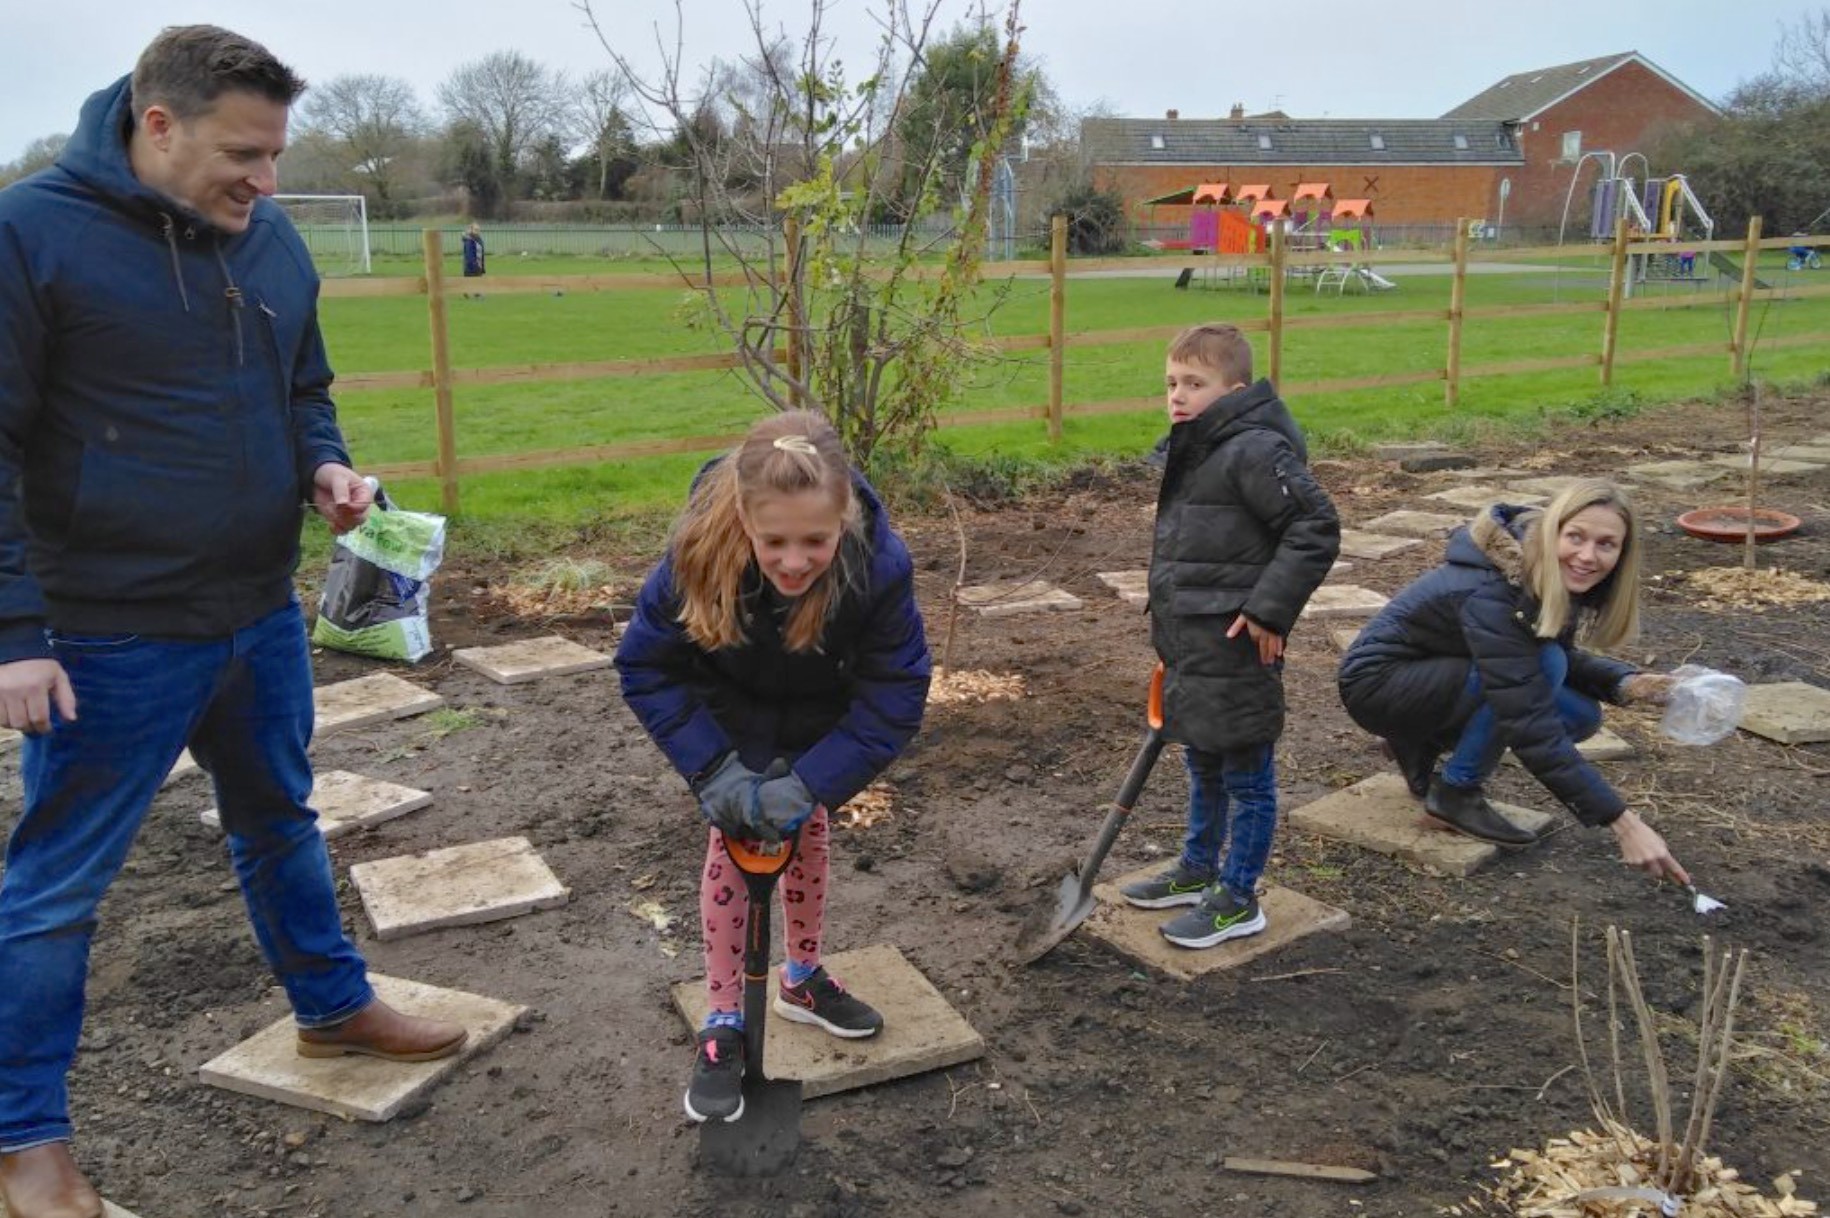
x,y
1177,886
1220,916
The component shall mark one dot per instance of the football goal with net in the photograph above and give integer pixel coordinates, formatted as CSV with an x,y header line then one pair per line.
x,y
335,229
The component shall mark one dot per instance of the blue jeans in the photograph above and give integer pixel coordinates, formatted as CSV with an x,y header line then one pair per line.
x,y
1248,779
243,704
1479,747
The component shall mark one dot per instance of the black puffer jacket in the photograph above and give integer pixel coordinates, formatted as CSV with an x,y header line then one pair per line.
x,y
1405,676
1241,527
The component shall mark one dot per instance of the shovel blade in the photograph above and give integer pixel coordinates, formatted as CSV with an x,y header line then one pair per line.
x,y
1050,924
764,1140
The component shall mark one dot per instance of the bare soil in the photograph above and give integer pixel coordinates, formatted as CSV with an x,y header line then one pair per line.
x,y
1432,1036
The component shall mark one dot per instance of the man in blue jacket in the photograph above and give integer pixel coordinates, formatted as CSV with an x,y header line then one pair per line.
x,y
165,411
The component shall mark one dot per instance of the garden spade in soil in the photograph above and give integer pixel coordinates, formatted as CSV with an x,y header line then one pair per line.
x,y
1052,923
767,1132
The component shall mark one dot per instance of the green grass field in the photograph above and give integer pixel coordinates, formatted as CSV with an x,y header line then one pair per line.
x,y
390,334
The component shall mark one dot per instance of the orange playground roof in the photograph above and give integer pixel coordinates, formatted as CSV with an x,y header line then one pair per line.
x,y
1353,209
1251,194
1270,209
1213,192
1312,190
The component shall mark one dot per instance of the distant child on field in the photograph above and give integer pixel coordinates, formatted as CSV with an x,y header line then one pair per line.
x,y
777,658
1244,536
475,256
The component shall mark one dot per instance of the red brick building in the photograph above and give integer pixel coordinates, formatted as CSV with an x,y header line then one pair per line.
x,y
1511,138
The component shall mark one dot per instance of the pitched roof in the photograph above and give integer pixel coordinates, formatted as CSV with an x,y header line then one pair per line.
x,y
1303,141
1526,94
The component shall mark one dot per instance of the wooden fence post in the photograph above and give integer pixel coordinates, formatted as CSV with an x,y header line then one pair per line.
x,y
1458,299
434,243
1744,306
1057,324
1617,290
1275,341
796,326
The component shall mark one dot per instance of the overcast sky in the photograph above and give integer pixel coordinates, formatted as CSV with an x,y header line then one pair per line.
x,y
1365,59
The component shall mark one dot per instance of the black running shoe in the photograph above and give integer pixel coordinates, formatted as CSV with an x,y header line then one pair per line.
x,y
1177,886
1220,916
716,1092
822,1001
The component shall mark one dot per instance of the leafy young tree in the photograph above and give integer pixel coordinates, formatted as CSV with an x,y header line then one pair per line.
x,y
373,122
511,102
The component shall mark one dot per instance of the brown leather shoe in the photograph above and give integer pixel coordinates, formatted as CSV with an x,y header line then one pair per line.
x,y
43,1182
378,1030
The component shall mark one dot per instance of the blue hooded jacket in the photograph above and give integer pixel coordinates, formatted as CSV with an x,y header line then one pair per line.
x,y
164,403
840,714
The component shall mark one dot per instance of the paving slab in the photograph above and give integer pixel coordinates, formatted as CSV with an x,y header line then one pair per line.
x,y
347,802
109,1210
1136,934
1436,463
360,1088
1379,814
1548,485
1604,745
1815,453
1132,586
1488,473
1005,600
183,768
9,739
1416,524
1341,567
531,659
1791,712
375,698
1343,600
921,1031
1478,495
1678,475
1403,450
1371,547
1768,465
456,886
1343,637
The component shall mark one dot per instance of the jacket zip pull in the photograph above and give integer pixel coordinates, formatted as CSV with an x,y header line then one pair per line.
x,y
262,306
170,232
236,304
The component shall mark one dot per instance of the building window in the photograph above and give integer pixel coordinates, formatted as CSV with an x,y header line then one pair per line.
x,y
1461,143
1156,143
1377,141
1264,143
1572,145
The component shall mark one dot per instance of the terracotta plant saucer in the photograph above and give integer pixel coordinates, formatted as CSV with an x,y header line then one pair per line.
x,y
1729,523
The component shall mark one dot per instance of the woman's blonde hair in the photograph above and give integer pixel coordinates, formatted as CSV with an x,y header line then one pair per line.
x,y
1614,617
785,454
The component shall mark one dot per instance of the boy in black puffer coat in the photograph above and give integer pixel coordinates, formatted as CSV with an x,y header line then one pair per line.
x,y
1244,536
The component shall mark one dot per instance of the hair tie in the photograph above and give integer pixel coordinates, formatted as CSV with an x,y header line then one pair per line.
x,y
797,444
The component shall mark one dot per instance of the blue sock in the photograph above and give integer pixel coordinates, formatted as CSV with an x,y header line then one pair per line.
x,y
797,973
724,1019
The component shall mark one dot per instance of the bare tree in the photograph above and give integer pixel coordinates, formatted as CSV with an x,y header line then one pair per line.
x,y
598,119
1803,53
876,332
510,100
41,153
371,120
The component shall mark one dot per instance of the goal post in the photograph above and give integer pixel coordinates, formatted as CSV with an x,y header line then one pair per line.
x,y
335,229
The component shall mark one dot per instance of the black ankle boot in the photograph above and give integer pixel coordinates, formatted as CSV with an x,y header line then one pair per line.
x,y
1415,760
1466,810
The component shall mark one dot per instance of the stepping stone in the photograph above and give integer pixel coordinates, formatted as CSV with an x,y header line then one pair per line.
x,y
347,802
183,768
9,740
1678,475
1816,453
1133,586
1478,496
1791,712
1488,473
1004,600
1343,600
456,886
1416,524
921,1031
359,1088
1379,814
1432,463
1340,568
1549,486
372,699
530,659
1136,934
1405,450
1768,465
109,1210
1604,745
1374,546
1343,637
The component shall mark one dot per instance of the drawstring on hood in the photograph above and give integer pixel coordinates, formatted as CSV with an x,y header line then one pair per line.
x,y
171,243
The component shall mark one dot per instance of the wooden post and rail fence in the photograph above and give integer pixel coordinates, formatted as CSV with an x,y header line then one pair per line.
x,y
450,467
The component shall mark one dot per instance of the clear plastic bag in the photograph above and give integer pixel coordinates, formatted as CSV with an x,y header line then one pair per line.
x,y
1705,705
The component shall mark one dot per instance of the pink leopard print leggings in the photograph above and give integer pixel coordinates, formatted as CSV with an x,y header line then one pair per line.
x,y
724,910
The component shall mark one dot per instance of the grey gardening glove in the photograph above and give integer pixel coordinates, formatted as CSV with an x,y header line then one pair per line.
x,y
783,802
727,795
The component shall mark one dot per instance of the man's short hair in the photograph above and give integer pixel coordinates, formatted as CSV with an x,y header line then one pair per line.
x,y
1222,348
187,67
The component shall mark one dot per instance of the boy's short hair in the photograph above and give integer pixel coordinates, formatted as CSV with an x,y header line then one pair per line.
x,y
1220,347
187,67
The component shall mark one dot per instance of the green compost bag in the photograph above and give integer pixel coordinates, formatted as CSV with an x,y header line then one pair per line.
x,y
374,601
